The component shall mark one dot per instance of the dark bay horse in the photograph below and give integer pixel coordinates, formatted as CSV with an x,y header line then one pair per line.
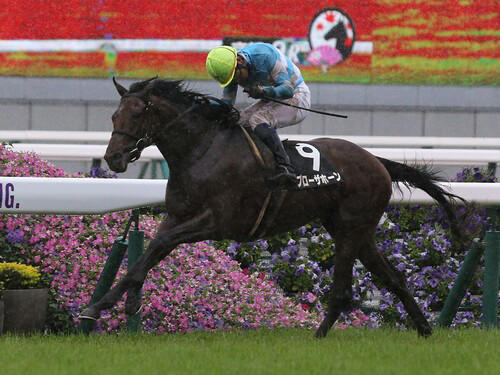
x,y
217,189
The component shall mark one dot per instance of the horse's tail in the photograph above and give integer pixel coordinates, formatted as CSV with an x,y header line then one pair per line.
x,y
423,177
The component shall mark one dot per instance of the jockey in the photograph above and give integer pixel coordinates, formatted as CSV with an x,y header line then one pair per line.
x,y
263,71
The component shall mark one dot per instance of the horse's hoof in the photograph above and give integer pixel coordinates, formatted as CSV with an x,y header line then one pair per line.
x,y
321,333
89,314
425,331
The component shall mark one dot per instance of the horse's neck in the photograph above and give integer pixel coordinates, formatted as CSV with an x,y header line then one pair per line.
x,y
187,142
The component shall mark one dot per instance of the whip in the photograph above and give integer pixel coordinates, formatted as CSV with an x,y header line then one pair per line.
x,y
265,97
305,109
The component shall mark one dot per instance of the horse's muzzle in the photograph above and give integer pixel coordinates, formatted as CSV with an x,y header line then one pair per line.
x,y
117,161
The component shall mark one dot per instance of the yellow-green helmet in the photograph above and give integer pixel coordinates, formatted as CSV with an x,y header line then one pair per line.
x,y
221,64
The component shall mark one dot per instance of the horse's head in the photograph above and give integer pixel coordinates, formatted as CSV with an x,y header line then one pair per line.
x,y
158,111
132,126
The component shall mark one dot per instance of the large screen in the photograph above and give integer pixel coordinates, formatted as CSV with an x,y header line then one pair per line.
x,y
445,42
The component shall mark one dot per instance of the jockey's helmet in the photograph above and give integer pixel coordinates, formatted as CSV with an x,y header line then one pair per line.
x,y
221,64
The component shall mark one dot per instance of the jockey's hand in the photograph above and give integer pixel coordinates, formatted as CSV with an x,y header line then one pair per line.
x,y
256,91
201,100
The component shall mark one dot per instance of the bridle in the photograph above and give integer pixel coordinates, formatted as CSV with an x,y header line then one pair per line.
x,y
141,142
148,138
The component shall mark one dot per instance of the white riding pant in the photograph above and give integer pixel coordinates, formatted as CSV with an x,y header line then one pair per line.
x,y
278,115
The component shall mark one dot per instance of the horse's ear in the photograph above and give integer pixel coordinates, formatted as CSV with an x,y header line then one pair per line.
x,y
121,90
150,79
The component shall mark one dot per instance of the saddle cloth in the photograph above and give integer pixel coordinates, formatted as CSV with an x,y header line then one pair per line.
x,y
312,168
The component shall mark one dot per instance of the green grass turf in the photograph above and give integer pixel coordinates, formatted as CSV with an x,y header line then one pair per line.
x,y
353,351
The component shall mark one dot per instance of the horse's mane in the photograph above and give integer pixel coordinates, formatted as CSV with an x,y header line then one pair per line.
x,y
177,93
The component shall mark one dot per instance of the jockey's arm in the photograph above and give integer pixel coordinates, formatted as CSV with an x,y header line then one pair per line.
x,y
283,91
283,87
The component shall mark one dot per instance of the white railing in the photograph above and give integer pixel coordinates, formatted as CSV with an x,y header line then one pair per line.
x,y
43,136
73,196
23,195
80,152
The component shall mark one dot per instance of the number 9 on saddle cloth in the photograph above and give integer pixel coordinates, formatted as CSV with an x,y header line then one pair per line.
x,y
312,169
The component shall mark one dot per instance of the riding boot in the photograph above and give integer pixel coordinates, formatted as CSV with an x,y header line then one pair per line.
x,y
285,173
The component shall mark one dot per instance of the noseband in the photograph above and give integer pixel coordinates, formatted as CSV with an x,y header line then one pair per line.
x,y
141,142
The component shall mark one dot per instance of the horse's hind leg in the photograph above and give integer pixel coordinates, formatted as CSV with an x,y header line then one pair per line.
x,y
378,265
341,293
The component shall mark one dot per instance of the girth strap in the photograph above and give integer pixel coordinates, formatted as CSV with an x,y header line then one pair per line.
x,y
261,214
273,211
254,148
279,201
260,160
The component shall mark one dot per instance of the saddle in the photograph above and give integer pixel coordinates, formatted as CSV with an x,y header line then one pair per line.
x,y
313,171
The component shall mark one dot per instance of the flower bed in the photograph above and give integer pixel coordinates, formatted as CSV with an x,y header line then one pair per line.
x,y
198,287
282,281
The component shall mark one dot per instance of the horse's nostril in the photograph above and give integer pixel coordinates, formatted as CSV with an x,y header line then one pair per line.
x,y
116,156
113,157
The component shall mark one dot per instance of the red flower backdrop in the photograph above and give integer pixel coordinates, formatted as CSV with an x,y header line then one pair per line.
x,y
392,41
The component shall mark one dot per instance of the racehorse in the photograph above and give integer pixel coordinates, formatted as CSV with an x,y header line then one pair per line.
x,y
217,189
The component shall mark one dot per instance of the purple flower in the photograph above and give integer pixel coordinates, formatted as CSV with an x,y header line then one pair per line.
x,y
285,256
300,270
16,237
433,282
98,172
401,267
231,250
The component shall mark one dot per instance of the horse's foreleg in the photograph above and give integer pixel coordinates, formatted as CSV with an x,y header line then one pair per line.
x,y
132,282
170,234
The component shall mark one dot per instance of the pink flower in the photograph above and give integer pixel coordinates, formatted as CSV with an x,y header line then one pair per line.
x,y
324,55
310,297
